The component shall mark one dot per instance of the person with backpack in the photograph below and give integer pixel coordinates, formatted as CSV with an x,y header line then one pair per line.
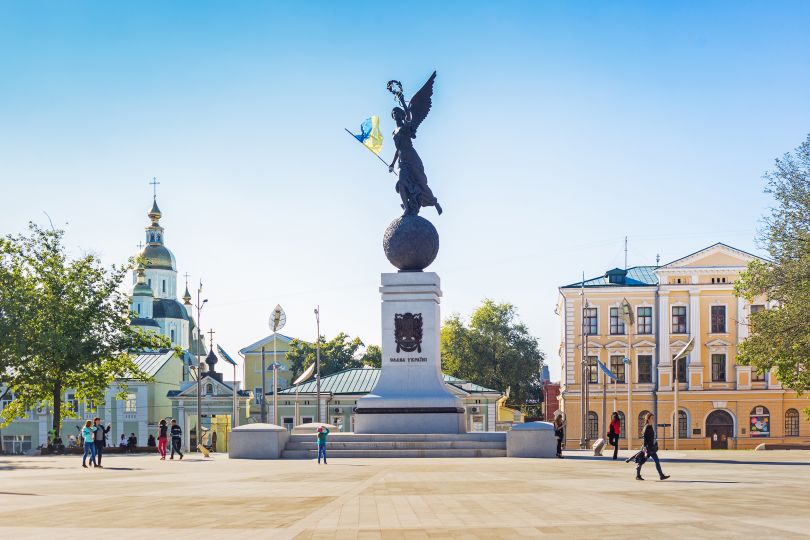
x,y
650,448
163,438
88,434
322,434
177,441
614,432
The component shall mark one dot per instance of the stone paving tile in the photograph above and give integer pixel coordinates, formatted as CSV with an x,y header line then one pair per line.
x,y
711,495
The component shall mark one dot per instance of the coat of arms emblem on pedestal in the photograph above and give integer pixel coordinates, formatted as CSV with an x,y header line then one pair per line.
x,y
408,332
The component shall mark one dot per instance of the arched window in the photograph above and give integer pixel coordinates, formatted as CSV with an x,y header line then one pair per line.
x,y
593,425
209,389
760,422
622,425
791,423
683,425
641,416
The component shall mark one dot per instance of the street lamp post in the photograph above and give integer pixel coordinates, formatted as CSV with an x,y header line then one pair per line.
x,y
318,363
275,366
199,306
263,414
277,321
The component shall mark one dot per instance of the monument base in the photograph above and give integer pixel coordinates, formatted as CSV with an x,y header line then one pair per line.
x,y
407,421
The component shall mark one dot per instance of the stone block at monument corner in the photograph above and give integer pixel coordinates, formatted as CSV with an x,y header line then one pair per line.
x,y
531,440
257,441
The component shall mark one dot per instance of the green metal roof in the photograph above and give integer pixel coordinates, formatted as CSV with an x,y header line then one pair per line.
x,y
637,276
362,381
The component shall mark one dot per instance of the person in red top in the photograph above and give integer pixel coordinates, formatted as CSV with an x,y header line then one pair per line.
x,y
614,432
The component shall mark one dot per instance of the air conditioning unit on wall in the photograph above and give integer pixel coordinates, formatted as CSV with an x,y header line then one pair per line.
x,y
337,410
475,410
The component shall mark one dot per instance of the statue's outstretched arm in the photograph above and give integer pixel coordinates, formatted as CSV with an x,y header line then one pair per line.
x,y
393,161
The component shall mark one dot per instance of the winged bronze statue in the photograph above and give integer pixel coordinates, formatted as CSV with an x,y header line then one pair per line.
x,y
412,185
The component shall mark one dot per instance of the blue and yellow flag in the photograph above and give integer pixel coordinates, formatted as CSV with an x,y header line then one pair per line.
x,y
370,134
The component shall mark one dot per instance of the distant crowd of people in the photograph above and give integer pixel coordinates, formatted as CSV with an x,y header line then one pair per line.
x,y
649,448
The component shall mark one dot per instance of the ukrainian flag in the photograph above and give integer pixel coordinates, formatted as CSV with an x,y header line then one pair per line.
x,y
370,134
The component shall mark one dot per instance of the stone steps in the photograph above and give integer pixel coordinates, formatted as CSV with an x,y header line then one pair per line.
x,y
351,445
397,445
412,453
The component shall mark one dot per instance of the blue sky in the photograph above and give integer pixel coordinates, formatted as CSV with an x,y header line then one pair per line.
x,y
557,129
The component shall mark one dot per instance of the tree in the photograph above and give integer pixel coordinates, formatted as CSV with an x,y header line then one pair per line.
x,y
494,350
337,354
64,324
372,357
779,338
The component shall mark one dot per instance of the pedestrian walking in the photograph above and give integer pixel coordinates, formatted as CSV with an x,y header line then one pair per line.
x,y
650,448
322,434
99,439
559,432
88,434
177,441
163,438
614,432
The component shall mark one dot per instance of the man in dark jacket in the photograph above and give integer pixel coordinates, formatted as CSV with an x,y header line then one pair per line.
x,y
100,439
650,449
177,441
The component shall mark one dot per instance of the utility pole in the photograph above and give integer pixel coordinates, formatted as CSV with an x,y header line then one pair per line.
x,y
583,342
625,253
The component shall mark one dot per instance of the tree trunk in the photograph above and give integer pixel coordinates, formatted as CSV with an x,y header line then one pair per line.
x,y
57,408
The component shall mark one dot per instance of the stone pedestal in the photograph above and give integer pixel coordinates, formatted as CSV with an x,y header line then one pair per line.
x,y
532,439
257,441
410,395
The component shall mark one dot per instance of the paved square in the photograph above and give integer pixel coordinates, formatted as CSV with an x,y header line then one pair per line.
x,y
710,495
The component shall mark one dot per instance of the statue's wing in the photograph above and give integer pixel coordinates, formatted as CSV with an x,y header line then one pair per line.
x,y
421,102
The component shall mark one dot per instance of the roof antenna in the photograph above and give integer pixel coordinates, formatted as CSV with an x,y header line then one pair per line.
x,y
625,253
657,259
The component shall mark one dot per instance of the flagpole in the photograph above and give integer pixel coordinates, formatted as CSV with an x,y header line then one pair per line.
x,y
367,148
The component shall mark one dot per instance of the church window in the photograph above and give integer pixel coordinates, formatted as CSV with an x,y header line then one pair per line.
x,y
172,332
164,285
209,389
150,281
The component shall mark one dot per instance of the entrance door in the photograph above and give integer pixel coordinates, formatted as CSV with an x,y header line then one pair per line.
x,y
719,428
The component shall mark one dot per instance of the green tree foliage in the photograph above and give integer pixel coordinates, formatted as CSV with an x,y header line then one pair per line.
x,y
494,350
339,353
780,338
64,325
372,356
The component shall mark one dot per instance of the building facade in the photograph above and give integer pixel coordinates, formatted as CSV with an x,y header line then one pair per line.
x,y
634,321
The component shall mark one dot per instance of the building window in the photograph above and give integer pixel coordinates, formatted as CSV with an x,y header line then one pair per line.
x,y
683,425
209,389
257,395
306,419
589,322
622,425
718,368
72,402
756,308
593,370
593,426
131,403
645,368
641,425
760,422
16,444
681,364
7,399
617,367
791,423
645,320
718,319
678,319
616,323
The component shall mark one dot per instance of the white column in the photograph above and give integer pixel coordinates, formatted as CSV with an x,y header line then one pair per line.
x,y
142,414
119,417
492,415
183,421
694,325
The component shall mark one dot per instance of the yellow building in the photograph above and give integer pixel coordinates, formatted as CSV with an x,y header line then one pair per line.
x,y
275,348
721,404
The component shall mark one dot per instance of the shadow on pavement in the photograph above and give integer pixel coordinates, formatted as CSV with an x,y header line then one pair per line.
x,y
701,481
30,494
698,460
